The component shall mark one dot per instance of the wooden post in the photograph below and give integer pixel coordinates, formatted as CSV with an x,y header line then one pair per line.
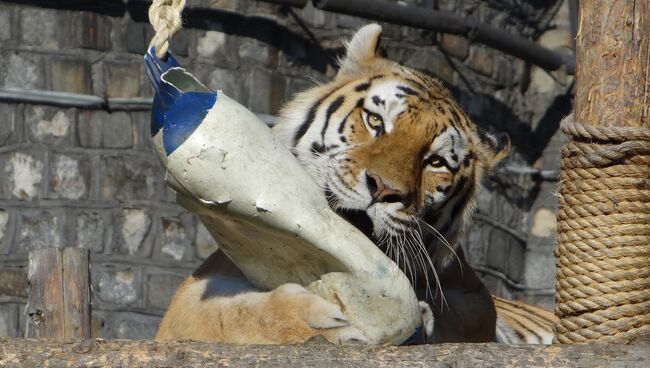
x,y
58,301
613,62
603,255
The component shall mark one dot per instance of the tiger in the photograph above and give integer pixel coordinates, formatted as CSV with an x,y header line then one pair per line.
x,y
397,157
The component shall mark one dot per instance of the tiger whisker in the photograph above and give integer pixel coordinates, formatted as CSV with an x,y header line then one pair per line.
x,y
442,239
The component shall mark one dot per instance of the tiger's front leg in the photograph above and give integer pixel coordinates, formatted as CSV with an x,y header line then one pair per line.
x,y
288,314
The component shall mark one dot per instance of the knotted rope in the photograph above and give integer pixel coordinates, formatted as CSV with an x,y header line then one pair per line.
x,y
603,254
165,17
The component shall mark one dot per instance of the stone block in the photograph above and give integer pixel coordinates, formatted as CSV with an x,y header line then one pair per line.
x,y
252,52
10,124
539,267
161,288
204,243
211,43
122,80
506,71
89,128
52,126
69,176
218,48
97,129
127,178
266,91
481,60
227,80
70,76
4,226
9,320
116,284
23,175
180,46
430,61
13,281
136,38
498,250
40,27
297,85
544,223
5,25
38,229
134,226
516,260
475,245
89,229
350,22
455,45
312,16
24,71
125,325
117,130
175,240
89,30
232,5
542,82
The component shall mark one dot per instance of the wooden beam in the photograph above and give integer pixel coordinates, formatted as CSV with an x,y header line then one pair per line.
x,y
59,294
143,353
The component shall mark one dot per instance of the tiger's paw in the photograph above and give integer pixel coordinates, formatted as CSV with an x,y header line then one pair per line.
x,y
312,316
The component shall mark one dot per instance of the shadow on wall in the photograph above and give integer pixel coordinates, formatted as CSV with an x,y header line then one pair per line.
x,y
263,29
485,110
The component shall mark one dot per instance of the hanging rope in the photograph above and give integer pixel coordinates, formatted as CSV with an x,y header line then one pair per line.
x,y
165,17
603,254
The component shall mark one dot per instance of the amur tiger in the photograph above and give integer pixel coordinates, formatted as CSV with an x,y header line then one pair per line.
x,y
398,158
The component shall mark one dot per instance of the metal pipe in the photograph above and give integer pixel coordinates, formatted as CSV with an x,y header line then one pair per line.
x,y
90,102
64,99
446,22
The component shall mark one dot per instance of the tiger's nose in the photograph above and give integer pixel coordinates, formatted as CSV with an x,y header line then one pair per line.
x,y
382,193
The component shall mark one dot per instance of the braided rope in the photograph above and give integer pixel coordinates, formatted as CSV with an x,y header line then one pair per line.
x,y
165,17
603,253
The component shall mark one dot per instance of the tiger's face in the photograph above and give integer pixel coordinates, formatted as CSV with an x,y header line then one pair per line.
x,y
391,149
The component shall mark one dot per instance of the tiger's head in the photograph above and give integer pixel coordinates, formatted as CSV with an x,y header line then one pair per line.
x,y
392,150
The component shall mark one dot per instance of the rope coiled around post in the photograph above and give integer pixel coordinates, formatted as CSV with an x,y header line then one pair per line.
x,y
603,254
165,17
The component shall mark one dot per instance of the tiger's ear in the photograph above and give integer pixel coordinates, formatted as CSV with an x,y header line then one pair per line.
x,y
495,147
361,50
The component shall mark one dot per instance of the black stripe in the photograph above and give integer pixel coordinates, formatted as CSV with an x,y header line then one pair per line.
x,y
331,109
362,87
461,204
408,91
342,125
311,115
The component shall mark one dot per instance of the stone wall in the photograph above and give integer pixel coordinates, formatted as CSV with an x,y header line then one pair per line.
x,y
88,178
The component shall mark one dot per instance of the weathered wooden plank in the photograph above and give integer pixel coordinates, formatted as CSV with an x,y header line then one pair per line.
x,y
45,293
76,293
58,301
129,353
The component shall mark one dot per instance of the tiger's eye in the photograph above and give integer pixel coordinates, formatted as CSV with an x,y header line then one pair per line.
x,y
436,161
375,120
